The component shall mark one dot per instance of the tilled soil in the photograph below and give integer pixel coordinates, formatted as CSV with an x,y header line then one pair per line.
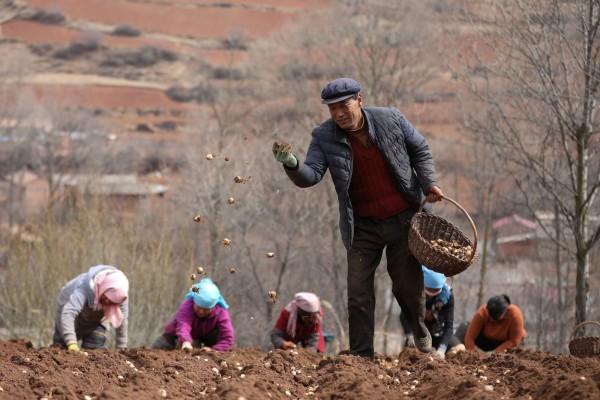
x,y
53,373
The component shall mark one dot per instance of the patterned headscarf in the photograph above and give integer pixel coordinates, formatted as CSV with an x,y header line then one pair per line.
x,y
113,284
306,301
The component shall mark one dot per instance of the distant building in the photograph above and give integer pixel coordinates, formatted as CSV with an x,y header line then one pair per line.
x,y
518,237
126,193
22,194
515,236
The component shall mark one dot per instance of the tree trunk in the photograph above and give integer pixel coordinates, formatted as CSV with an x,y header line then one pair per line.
x,y
582,288
558,317
540,331
582,257
484,254
583,135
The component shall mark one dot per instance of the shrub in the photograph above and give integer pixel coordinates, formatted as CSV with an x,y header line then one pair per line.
x,y
49,17
236,40
167,126
126,30
227,73
179,93
144,57
40,49
203,93
144,128
294,70
74,50
88,41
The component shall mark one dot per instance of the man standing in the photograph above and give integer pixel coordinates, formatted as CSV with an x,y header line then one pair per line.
x,y
381,169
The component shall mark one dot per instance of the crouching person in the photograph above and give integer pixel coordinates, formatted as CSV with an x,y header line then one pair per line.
x,y
495,327
439,313
300,323
89,305
202,321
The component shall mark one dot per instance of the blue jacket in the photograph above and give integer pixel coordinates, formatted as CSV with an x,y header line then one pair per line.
x,y
403,147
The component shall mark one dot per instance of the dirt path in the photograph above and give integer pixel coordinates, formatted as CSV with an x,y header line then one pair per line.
x,y
27,373
81,79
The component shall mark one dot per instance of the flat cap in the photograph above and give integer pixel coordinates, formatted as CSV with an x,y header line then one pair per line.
x,y
339,89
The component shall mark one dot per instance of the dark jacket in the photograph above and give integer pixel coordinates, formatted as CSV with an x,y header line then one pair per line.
x,y
405,150
439,319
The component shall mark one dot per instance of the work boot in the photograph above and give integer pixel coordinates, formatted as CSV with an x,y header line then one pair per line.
x,y
423,344
422,337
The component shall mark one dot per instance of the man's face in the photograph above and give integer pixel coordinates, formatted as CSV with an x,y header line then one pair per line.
x,y
347,114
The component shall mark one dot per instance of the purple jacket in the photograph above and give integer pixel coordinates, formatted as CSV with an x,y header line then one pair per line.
x,y
187,326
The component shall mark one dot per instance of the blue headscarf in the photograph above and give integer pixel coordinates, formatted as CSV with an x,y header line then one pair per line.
x,y
436,280
206,294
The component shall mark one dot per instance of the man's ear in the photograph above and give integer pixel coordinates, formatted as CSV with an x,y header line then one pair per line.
x,y
359,98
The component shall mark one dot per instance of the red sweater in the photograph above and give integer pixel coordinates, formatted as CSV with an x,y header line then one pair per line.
x,y
303,331
372,191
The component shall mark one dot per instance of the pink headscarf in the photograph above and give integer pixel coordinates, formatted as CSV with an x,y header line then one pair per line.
x,y
115,286
306,301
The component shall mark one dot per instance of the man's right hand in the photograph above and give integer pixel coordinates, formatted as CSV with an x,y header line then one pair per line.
x,y
283,154
287,345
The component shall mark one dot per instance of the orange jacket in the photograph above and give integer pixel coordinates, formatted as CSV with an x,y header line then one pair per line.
x,y
510,330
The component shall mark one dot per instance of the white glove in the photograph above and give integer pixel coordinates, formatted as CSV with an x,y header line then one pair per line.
x,y
186,346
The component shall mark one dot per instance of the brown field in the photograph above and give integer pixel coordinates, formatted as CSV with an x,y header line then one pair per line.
x,y
35,33
198,22
101,96
53,373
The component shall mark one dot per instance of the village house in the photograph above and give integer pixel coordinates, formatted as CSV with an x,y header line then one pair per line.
x,y
24,194
126,193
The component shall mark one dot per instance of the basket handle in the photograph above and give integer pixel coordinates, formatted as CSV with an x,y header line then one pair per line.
x,y
466,215
582,324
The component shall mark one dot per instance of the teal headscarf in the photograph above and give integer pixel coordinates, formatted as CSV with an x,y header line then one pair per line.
x,y
436,280
206,294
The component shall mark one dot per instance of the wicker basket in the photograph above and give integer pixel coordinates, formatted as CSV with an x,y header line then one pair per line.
x,y
425,227
587,346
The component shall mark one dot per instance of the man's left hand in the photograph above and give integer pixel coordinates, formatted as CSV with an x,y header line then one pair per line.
x,y
434,194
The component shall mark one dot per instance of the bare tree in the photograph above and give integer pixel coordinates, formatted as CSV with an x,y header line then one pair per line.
x,y
539,96
388,46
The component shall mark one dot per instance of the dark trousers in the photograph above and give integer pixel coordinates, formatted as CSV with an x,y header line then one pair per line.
x,y
481,341
170,342
91,337
371,237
